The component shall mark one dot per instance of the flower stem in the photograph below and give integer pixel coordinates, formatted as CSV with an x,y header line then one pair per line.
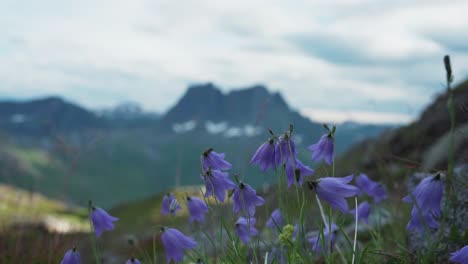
x,y
355,230
92,234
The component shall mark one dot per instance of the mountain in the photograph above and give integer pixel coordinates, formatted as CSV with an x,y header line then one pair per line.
x,y
420,146
117,155
249,112
44,116
128,115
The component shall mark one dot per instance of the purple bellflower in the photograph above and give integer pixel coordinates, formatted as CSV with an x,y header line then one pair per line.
x,y
316,241
170,205
323,149
245,199
265,155
460,256
102,221
426,198
245,229
217,183
415,222
427,195
334,190
364,210
276,220
71,257
370,187
295,174
214,160
133,261
175,243
285,149
197,208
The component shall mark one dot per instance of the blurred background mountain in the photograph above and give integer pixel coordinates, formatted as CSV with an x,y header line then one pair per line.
x,y
67,152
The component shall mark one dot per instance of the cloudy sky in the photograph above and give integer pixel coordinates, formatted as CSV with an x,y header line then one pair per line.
x,y
370,61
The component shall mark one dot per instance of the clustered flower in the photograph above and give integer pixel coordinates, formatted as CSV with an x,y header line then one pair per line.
x,y
324,148
425,199
460,256
280,152
170,205
245,228
245,199
71,257
334,190
371,188
102,221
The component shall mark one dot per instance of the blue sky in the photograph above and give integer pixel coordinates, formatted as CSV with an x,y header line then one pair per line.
x,y
368,61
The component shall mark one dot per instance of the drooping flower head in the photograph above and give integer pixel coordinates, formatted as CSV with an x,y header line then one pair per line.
x,y
133,261
334,190
71,257
265,155
428,194
102,221
170,205
364,210
175,242
371,188
285,149
278,254
460,256
324,148
245,199
214,160
295,173
246,228
416,223
276,220
328,237
197,208
217,183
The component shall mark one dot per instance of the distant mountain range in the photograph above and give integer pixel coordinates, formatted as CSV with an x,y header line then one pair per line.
x,y
66,151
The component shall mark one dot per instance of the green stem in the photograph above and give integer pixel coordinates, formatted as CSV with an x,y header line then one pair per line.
x,y
92,235
355,229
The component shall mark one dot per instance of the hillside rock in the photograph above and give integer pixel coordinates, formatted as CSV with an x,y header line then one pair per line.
x,y
414,147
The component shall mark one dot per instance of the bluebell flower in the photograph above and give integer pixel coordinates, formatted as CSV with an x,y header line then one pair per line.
x,y
285,149
415,222
295,174
71,257
428,194
170,204
102,221
133,261
265,155
175,242
245,198
214,160
334,190
323,149
276,220
217,183
460,256
328,238
364,210
245,229
278,255
197,208
371,188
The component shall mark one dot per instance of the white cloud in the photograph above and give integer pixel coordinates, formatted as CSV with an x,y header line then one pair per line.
x,y
342,55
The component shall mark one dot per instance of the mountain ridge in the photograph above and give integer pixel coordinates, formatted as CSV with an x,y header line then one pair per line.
x,y
103,156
